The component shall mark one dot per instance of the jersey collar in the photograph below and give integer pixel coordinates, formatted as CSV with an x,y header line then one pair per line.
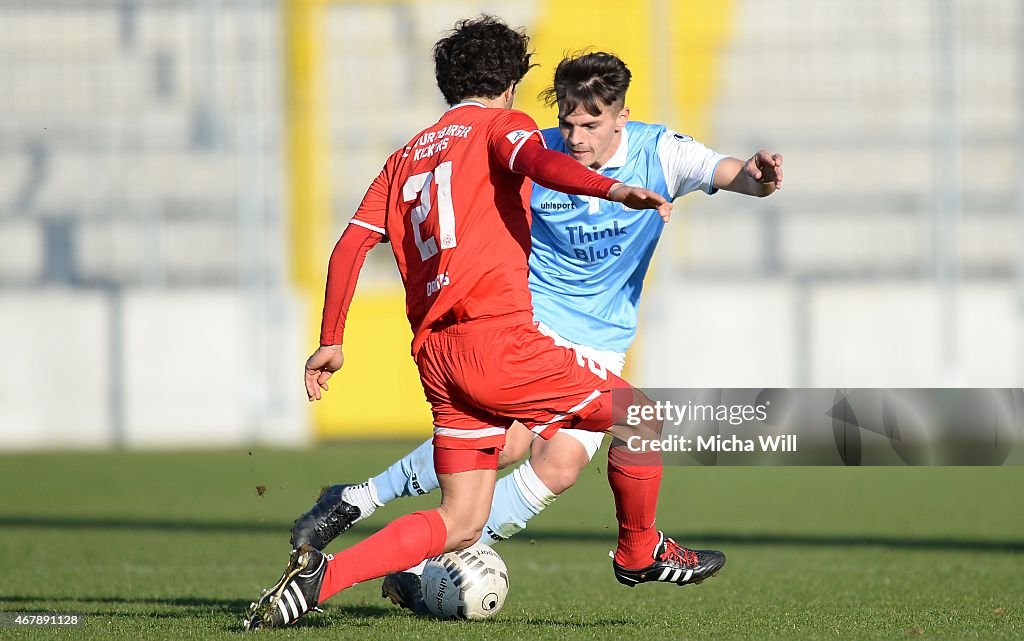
x,y
618,159
466,103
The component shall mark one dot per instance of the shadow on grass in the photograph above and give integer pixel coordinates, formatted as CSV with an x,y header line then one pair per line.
x,y
712,538
367,615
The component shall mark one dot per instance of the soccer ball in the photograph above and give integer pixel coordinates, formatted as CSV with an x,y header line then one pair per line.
x,y
469,584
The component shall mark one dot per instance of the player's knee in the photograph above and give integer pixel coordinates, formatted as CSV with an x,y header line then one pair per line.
x,y
463,526
557,463
461,537
559,473
562,478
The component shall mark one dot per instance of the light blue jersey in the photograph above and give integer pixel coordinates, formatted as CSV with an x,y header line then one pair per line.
x,y
590,255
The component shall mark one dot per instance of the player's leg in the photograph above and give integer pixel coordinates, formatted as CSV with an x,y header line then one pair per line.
x,y
465,500
643,553
553,467
559,460
518,497
554,464
467,485
311,577
339,507
414,475
556,387
635,479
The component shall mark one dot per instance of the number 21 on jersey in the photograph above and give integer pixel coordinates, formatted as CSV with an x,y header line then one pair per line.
x,y
419,185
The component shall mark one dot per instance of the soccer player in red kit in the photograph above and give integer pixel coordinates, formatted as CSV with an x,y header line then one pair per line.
x,y
454,204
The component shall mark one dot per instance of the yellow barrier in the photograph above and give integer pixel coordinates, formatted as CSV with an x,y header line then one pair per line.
x,y
378,392
306,142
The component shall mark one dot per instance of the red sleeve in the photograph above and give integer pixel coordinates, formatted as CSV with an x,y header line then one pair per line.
x,y
518,144
559,172
372,211
508,132
342,274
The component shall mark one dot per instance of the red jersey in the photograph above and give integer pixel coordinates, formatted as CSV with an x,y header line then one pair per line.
x,y
455,204
458,217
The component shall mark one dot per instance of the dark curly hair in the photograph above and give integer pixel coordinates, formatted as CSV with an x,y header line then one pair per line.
x,y
588,80
481,57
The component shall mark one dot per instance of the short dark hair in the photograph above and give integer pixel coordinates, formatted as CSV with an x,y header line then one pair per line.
x,y
588,80
480,57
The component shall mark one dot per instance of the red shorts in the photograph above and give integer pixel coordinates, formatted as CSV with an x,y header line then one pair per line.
x,y
481,375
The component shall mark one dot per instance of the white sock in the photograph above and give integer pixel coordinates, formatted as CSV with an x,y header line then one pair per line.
x,y
363,496
411,475
518,497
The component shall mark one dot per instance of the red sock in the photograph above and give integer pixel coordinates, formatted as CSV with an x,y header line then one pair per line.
x,y
400,545
635,480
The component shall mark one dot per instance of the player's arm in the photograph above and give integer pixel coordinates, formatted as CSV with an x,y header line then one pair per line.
x,y
558,172
690,166
364,231
516,142
759,176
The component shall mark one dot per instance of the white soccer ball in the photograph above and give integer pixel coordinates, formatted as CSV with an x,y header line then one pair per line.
x,y
469,584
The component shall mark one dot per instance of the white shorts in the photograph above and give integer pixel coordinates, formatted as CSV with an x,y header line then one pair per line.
x,y
612,361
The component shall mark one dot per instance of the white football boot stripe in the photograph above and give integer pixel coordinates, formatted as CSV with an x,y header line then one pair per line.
x,y
298,595
287,596
284,610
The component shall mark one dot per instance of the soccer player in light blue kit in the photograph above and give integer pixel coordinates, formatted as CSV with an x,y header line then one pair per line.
x,y
587,268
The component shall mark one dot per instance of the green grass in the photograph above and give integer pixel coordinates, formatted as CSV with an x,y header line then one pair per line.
x,y
175,545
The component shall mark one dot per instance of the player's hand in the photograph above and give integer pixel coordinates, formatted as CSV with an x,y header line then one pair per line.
x,y
765,168
640,198
320,366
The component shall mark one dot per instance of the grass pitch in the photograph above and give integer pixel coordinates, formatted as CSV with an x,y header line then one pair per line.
x,y
175,545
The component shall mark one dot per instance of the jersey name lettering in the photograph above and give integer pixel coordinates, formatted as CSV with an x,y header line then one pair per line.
x,y
432,142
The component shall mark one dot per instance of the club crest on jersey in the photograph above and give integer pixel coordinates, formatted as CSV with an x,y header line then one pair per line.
x,y
517,135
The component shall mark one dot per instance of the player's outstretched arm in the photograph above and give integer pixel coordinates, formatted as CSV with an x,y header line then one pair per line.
x,y
558,172
759,176
640,198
